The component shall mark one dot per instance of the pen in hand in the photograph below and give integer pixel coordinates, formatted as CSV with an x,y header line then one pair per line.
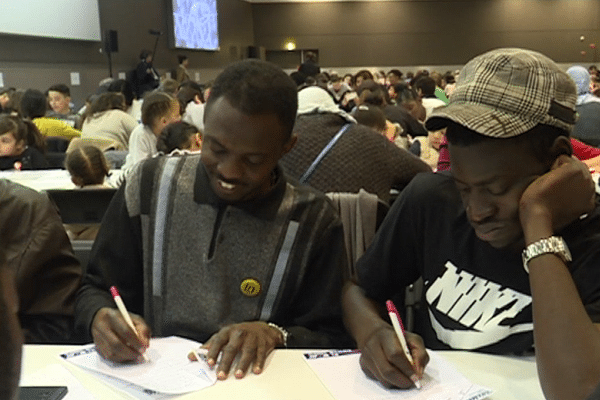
x,y
121,306
399,329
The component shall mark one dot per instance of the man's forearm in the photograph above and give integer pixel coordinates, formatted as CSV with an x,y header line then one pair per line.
x,y
361,314
567,342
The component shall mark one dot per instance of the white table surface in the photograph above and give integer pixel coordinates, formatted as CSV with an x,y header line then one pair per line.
x,y
288,377
40,180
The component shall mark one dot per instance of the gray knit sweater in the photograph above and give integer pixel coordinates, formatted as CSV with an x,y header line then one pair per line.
x,y
180,257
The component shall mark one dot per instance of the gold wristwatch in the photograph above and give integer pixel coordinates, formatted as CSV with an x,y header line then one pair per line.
x,y
553,245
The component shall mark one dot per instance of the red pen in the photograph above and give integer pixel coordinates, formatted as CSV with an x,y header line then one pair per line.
x,y
399,329
121,306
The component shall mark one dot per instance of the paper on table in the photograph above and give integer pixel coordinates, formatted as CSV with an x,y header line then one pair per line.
x,y
340,371
169,371
57,375
137,392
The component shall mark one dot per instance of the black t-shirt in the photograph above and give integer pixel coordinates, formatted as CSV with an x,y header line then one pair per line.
x,y
475,297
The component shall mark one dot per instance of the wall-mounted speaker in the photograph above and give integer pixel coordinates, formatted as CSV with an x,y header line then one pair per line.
x,y
257,52
111,41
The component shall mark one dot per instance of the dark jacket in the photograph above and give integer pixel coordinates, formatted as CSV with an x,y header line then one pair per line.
x,y
40,254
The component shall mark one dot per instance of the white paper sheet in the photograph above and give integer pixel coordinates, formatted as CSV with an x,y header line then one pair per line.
x,y
168,372
342,375
57,375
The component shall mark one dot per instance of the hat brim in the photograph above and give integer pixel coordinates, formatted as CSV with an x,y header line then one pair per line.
x,y
485,120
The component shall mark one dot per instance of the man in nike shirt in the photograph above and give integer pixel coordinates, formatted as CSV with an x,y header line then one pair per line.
x,y
491,239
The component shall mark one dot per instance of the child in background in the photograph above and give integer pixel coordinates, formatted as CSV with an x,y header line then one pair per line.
x,y
59,98
428,147
159,110
34,106
88,168
21,145
179,136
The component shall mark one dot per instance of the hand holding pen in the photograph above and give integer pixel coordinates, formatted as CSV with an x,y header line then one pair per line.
x,y
115,339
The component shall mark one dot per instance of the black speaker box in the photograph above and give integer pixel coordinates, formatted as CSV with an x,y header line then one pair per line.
x,y
111,41
253,52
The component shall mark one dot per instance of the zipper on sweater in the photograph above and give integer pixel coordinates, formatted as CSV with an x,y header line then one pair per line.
x,y
216,230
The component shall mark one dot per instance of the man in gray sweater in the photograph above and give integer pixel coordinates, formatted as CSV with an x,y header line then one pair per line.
x,y
221,248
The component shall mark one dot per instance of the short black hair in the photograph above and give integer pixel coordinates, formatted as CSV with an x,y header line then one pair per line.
x,y
125,88
181,58
371,116
539,139
405,93
395,72
33,104
257,87
145,53
60,88
176,135
427,86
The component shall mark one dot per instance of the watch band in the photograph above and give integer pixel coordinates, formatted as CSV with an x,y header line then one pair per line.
x,y
552,245
284,333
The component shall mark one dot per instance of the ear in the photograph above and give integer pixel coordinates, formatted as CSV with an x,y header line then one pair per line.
x,y
290,144
562,145
197,99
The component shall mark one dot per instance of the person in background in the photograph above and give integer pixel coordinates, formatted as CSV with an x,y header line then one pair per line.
x,y
449,83
159,110
146,76
106,119
587,128
427,148
425,87
5,95
39,254
407,98
169,86
182,74
507,244
59,99
33,107
309,67
179,136
133,105
22,146
394,76
361,76
349,80
369,160
372,93
191,98
337,88
88,168
13,106
253,261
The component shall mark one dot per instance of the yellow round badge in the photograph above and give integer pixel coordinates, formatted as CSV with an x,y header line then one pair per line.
x,y
250,287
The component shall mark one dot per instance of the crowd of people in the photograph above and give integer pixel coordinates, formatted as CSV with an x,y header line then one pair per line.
x,y
221,230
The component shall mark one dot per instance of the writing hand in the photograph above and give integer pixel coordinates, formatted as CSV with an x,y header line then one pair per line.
x,y
559,196
382,358
115,340
252,341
